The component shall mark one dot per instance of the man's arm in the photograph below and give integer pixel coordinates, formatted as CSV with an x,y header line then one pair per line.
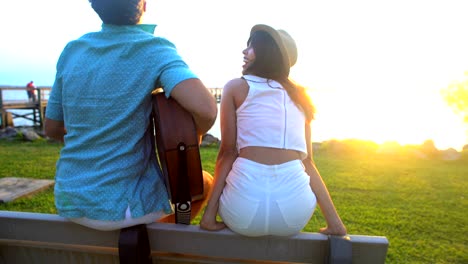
x,y
54,129
192,95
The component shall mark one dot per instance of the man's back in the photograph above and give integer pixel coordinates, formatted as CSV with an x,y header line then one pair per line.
x,y
103,94
99,106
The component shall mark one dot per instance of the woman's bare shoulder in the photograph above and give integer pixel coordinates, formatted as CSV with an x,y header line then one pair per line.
x,y
236,83
237,89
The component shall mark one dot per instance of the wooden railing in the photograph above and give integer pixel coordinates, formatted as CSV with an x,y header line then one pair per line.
x,y
36,109
216,92
33,110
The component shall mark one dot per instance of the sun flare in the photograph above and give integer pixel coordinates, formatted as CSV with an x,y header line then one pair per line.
x,y
409,118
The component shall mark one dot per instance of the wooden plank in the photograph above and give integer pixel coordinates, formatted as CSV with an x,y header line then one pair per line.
x,y
25,253
12,188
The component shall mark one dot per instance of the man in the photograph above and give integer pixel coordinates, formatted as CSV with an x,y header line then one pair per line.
x,y
99,106
30,88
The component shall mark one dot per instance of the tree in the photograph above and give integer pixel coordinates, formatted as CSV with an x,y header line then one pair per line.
x,y
456,96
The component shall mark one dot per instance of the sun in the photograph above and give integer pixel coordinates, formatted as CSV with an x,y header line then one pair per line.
x,y
409,118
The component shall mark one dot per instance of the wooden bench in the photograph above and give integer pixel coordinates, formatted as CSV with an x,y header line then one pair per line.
x,y
48,238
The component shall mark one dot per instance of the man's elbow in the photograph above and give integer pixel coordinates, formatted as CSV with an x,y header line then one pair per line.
x,y
51,134
54,129
212,114
207,118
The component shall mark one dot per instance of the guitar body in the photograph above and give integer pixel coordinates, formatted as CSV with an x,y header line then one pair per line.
x,y
179,154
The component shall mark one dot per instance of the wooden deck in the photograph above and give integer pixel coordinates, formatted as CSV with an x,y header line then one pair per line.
x,y
35,111
216,92
11,100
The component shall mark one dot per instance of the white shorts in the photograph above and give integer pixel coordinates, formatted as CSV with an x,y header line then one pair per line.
x,y
261,199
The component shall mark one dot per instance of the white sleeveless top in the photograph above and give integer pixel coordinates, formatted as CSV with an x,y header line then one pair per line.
x,y
269,118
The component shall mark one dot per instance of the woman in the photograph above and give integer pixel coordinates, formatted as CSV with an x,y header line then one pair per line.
x,y
266,182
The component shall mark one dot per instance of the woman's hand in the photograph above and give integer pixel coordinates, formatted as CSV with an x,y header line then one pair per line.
x,y
211,225
339,230
209,222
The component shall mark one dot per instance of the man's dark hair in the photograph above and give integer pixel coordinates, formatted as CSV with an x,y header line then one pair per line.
x,y
119,12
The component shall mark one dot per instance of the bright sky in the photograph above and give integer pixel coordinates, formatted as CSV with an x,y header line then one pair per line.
x,y
375,68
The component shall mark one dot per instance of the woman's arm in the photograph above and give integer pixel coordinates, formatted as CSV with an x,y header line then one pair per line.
x,y
334,224
226,156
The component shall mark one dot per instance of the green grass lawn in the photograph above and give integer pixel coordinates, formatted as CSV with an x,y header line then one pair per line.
x,y
418,204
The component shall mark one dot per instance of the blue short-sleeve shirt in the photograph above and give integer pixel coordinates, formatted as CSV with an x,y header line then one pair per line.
x,y
102,93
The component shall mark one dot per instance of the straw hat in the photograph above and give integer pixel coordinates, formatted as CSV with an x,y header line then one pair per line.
x,y
285,42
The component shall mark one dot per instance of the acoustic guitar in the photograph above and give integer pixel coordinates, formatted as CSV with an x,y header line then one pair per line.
x,y
177,145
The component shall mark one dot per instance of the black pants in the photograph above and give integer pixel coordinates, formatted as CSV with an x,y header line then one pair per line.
x,y
134,247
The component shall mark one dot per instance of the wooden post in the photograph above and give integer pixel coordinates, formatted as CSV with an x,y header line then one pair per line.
x,y
41,109
2,112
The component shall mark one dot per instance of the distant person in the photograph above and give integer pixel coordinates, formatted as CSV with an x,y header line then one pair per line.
x,y
266,182
107,176
30,89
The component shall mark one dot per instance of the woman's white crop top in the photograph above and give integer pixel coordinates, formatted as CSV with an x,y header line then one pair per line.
x,y
269,118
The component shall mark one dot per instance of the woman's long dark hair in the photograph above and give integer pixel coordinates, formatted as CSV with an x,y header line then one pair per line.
x,y
269,64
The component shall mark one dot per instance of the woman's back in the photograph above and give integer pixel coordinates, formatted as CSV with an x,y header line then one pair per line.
x,y
269,123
